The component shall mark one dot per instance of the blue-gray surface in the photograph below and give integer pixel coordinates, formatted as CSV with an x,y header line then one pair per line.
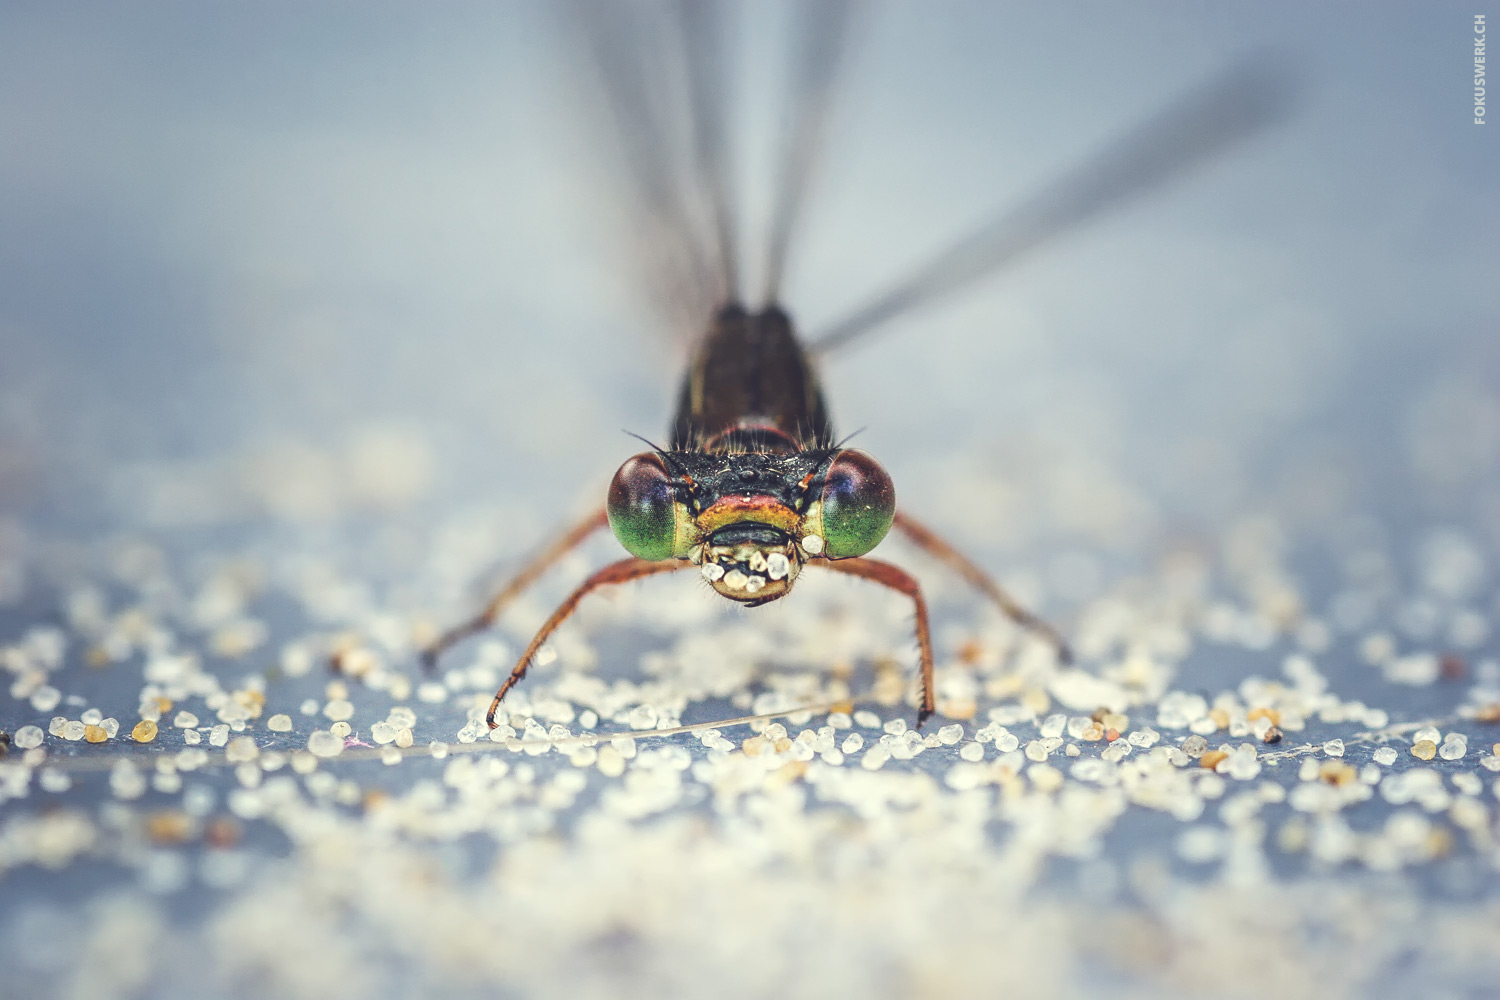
x,y
310,319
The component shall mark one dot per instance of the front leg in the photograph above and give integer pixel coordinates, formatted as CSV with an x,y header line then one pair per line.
x,y
539,564
934,546
897,579
617,572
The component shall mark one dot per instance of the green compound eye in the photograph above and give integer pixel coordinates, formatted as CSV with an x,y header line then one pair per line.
x,y
859,503
642,508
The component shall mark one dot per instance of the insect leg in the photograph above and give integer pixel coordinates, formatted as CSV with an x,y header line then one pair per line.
x,y
518,583
934,546
897,579
619,572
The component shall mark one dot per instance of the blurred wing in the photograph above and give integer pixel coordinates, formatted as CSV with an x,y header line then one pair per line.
x,y
1230,108
702,39
819,39
660,79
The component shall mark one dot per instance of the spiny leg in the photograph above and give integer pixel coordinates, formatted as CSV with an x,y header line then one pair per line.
x,y
539,564
619,572
899,580
934,546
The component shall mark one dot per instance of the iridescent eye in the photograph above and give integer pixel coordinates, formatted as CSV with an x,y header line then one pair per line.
x,y
859,503
642,508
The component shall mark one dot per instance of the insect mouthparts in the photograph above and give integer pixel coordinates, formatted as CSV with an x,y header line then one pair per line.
x,y
748,533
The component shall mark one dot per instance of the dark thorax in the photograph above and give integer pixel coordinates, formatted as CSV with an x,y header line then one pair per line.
x,y
750,374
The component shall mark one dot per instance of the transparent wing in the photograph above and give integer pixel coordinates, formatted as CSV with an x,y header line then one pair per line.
x,y
708,80
659,76
820,39
1254,94
662,76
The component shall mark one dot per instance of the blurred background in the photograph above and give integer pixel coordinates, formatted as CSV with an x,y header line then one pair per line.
x,y
313,318
292,260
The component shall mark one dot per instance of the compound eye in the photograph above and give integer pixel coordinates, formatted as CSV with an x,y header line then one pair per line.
x,y
642,507
859,503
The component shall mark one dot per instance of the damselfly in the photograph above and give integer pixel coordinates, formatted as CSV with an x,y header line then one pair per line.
x,y
753,487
